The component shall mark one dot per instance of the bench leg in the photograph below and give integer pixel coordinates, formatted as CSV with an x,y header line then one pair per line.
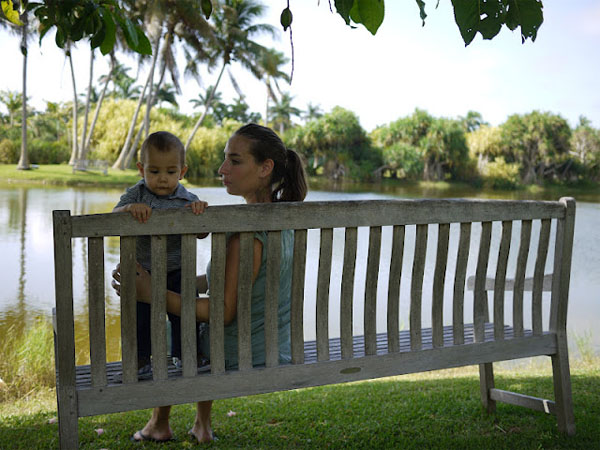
x,y
67,418
562,388
486,383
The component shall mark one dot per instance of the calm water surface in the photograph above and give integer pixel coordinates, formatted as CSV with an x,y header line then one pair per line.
x,y
27,270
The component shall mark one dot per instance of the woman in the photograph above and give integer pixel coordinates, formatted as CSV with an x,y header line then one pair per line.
x,y
261,169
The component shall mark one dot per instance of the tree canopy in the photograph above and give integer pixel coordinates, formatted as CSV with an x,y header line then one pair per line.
x,y
98,20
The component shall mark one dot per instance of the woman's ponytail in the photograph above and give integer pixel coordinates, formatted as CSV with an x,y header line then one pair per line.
x,y
293,186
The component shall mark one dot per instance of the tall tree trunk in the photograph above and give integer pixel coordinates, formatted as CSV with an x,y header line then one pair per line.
x,y
100,100
82,148
120,162
206,108
155,88
23,158
75,150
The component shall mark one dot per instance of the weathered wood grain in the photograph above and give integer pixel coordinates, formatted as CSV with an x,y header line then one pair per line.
x,y
393,305
323,278
96,310
439,278
416,287
128,310
347,291
272,298
297,308
217,303
370,303
189,356
303,215
458,299
538,277
158,323
244,299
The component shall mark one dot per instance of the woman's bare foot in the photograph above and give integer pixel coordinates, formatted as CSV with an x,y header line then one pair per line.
x,y
157,429
202,435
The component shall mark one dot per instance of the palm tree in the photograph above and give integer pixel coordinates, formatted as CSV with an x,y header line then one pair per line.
x,y
283,112
24,31
13,102
312,112
235,29
269,64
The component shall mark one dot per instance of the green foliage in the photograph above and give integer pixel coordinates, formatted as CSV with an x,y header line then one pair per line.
x,y
96,20
42,151
9,151
499,174
440,142
486,141
335,144
205,154
585,144
539,142
405,160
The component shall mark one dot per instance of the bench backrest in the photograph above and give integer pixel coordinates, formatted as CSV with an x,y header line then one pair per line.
x,y
406,225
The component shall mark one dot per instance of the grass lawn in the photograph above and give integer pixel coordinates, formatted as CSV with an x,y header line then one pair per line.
x,y
62,174
432,410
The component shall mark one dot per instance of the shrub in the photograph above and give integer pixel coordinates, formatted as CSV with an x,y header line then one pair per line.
x,y
499,174
48,152
9,151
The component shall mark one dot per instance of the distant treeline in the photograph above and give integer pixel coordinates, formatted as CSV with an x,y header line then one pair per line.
x,y
537,147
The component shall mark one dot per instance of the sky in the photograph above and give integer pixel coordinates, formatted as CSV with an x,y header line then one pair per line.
x,y
384,77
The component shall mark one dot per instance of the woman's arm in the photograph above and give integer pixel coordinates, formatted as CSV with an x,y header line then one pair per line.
x,y
232,264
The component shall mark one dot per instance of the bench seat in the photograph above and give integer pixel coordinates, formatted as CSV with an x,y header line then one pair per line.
x,y
114,369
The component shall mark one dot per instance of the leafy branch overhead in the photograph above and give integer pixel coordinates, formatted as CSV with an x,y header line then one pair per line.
x,y
74,20
98,19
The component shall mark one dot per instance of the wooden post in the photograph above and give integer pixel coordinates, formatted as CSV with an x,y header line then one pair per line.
x,y
65,333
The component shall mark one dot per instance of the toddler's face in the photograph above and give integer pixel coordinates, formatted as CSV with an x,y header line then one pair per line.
x,y
162,171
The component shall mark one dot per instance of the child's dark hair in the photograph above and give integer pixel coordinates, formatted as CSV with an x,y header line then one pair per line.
x,y
163,141
288,180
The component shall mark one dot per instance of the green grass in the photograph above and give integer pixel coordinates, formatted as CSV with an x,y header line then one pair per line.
x,y
432,410
62,174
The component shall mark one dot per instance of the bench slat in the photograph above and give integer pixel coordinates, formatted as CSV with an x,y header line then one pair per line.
x,y
501,266
128,310
520,277
480,294
538,277
189,356
439,277
393,305
297,308
158,323
322,319
217,303
458,300
96,310
416,287
370,305
347,291
244,299
272,298
307,215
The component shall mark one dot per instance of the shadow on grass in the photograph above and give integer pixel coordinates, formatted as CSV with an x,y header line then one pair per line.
x,y
387,413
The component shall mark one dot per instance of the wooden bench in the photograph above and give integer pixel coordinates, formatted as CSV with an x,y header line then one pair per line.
x,y
344,277
91,164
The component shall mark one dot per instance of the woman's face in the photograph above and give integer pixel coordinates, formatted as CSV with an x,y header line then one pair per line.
x,y
242,175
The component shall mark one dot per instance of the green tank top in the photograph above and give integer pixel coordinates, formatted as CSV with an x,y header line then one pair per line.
x,y
257,321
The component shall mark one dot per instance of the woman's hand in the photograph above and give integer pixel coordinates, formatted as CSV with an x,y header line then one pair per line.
x,y
142,283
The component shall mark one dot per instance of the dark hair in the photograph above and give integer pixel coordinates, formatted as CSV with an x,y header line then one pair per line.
x,y
288,181
163,141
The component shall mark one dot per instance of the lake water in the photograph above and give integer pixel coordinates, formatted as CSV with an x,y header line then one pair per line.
x,y
27,270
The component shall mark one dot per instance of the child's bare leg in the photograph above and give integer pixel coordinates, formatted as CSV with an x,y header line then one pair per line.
x,y
202,428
